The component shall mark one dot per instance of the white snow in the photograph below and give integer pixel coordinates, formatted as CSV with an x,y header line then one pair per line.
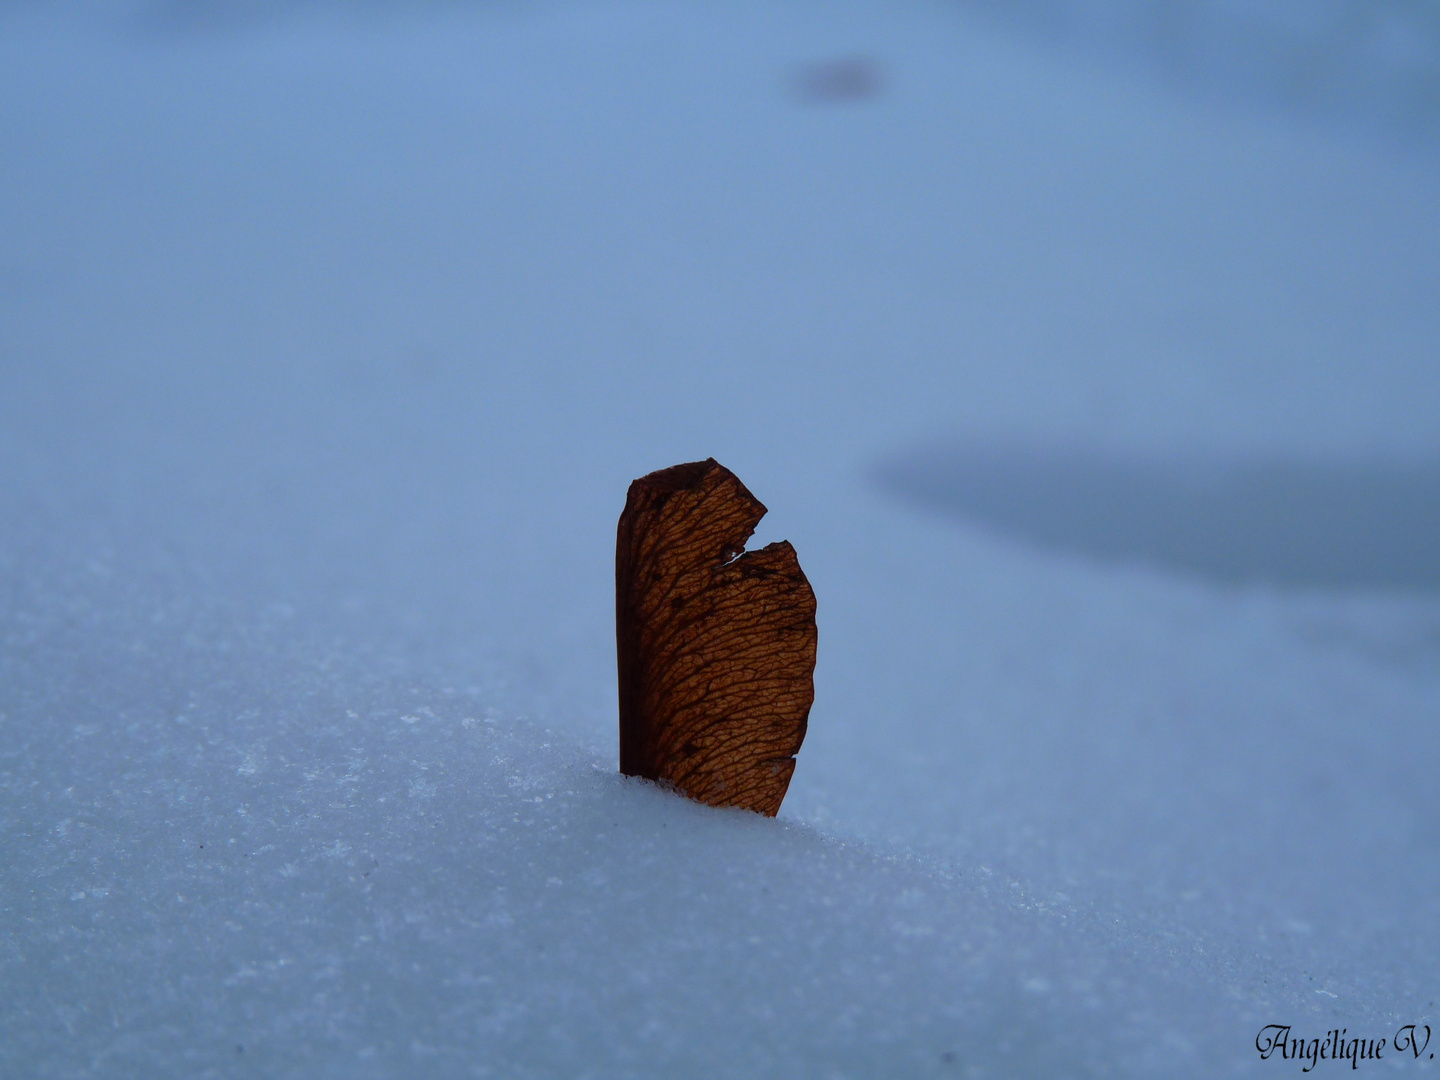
x,y
330,337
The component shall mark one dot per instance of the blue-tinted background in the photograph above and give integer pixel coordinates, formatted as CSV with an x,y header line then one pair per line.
x,y
1086,353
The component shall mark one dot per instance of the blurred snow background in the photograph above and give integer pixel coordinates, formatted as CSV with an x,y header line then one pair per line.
x,y
332,334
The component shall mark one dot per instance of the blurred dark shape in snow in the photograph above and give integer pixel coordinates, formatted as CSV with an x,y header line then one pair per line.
x,y
1282,521
850,78
1375,63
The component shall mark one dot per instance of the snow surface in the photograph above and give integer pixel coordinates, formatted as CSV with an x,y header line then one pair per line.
x,y
330,337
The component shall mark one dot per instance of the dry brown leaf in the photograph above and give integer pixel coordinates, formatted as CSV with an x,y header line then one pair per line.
x,y
716,644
